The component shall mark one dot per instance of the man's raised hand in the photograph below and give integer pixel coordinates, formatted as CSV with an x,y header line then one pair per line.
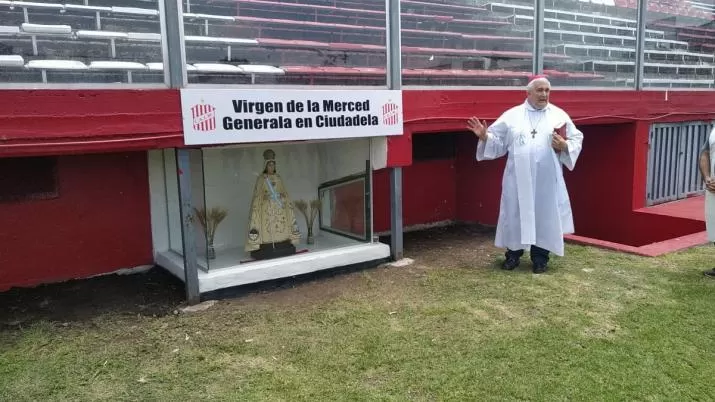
x,y
478,127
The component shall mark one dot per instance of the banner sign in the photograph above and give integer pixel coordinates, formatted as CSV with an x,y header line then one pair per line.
x,y
228,116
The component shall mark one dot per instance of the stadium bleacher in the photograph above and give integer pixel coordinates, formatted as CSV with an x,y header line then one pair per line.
x,y
342,42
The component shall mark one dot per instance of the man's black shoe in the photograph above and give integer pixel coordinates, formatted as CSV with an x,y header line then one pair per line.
x,y
710,273
510,264
539,267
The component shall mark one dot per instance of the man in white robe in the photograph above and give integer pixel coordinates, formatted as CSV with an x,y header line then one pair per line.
x,y
535,210
706,163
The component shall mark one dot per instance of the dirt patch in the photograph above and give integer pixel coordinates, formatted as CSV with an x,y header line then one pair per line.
x,y
431,249
158,293
155,292
453,246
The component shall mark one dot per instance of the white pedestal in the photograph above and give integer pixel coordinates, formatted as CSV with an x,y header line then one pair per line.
x,y
228,270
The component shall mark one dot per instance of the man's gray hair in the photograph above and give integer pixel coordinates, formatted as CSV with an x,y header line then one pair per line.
x,y
531,84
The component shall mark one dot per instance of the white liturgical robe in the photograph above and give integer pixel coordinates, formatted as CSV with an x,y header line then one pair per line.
x,y
710,197
535,208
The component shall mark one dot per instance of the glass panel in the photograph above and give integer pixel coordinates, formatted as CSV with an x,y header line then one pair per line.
x,y
269,196
172,201
343,206
107,42
458,42
686,60
285,42
597,39
198,201
344,189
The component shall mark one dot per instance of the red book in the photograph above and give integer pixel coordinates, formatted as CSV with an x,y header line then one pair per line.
x,y
561,130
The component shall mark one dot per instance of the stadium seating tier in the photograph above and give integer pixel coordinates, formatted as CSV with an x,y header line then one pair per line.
x,y
343,42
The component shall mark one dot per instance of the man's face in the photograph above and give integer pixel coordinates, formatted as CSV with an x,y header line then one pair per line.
x,y
539,95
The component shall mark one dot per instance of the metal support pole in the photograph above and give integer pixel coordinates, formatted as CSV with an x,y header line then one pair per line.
x,y
191,265
538,54
172,36
640,42
394,82
174,54
396,247
394,44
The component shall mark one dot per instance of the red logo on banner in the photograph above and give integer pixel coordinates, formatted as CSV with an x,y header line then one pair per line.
x,y
204,117
390,114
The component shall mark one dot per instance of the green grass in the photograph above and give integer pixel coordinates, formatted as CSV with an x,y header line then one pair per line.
x,y
598,326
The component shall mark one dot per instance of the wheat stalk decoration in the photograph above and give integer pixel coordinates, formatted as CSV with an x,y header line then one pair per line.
x,y
314,210
210,221
302,206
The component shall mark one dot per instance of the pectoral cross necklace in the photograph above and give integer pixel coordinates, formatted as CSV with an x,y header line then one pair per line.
x,y
533,128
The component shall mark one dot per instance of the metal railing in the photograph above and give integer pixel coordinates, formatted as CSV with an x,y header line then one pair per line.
x,y
673,153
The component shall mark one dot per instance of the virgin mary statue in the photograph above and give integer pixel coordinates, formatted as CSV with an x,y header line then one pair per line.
x,y
272,228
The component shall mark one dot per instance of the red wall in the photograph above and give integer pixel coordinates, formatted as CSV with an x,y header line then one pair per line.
x,y
35,122
429,194
479,189
605,188
99,223
609,181
431,111
601,185
54,122
644,228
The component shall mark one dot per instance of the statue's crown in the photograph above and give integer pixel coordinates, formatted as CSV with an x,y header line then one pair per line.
x,y
268,154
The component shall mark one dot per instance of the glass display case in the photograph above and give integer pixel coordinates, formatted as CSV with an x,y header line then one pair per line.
x,y
266,203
